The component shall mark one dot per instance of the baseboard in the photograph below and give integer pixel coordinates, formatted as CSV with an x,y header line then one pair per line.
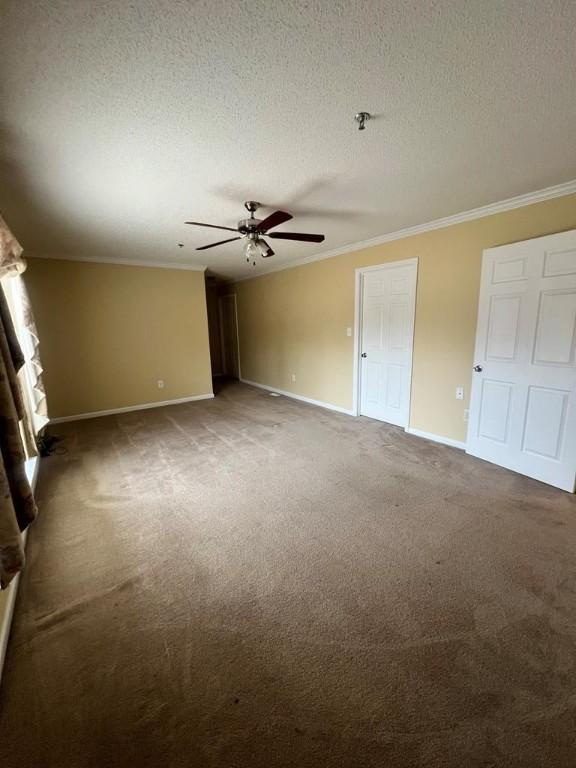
x,y
417,432
8,612
129,408
303,399
437,438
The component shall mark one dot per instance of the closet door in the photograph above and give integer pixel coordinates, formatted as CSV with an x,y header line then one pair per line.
x,y
523,403
388,296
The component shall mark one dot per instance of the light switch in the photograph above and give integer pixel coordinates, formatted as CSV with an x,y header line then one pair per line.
x,y
459,393
348,331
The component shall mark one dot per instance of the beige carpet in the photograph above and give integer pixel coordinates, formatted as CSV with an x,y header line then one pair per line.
x,y
251,582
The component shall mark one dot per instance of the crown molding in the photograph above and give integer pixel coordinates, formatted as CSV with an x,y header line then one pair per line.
x,y
560,190
120,262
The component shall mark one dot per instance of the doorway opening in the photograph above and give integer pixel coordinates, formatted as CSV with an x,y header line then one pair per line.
x,y
222,332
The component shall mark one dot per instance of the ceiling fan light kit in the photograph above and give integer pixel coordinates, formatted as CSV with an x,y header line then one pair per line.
x,y
254,229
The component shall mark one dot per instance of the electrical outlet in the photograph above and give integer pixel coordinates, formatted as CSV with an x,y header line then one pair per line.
x,y
293,378
160,383
466,414
459,393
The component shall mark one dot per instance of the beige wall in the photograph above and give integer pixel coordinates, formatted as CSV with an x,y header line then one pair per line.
x,y
295,321
109,332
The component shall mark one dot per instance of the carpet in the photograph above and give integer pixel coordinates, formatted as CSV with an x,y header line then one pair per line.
x,y
253,582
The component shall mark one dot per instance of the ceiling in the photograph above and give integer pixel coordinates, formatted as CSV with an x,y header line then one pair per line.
x,y
123,120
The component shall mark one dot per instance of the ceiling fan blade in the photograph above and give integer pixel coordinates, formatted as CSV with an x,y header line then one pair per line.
x,y
220,242
212,226
276,218
265,248
297,236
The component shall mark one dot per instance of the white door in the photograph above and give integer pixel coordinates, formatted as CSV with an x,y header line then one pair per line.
x,y
523,406
388,297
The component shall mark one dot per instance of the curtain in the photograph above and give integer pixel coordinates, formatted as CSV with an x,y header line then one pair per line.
x,y
12,265
17,505
31,373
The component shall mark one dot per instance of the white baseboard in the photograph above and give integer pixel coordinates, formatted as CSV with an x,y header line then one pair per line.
x,y
437,438
129,408
6,615
308,400
349,412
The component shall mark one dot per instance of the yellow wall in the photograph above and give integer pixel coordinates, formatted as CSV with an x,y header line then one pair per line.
x,y
109,332
295,321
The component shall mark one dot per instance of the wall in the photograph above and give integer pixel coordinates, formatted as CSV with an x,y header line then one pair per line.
x,y
109,332
295,320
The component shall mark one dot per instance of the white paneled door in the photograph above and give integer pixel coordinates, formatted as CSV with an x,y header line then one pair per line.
x,y
388,296
523,406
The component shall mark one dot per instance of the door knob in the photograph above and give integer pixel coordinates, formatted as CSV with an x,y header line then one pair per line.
x,y
363,354
478,368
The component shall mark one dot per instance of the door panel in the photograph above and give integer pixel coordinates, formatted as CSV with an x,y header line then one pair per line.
x,y
555,328
560,263
387,326
508,270
394,381
545,421
494,417
523,405
398,316
373,325
372,392
503,327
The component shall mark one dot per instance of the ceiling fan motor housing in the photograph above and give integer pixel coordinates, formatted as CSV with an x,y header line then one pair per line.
x,y
245,226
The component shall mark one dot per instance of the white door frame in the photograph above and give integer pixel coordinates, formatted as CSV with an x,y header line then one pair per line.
x,y
356,380
227,296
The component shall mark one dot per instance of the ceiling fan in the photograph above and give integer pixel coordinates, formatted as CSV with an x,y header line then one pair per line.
x,y
253,229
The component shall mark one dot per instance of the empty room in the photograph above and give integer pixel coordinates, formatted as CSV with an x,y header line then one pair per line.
x,y
287,384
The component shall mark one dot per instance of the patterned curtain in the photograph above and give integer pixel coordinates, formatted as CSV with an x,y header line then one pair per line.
x,y
31,373
11,261
17,505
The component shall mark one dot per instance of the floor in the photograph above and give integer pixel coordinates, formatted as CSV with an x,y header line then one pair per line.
x,y
252,582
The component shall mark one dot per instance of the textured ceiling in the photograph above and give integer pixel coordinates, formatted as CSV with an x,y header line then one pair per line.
x,y
120,120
